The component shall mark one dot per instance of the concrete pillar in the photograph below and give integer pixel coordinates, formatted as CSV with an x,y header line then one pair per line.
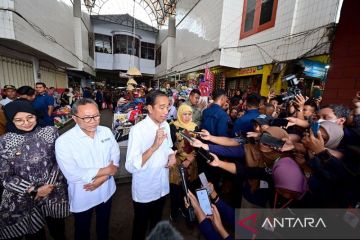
x,y
171,42
77,32
36,69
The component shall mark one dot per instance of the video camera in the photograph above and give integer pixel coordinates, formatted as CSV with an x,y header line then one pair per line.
x,y
293,89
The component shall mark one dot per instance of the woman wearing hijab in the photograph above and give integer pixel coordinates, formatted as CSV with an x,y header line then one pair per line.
x,y
256,192
34,188
289,182
332,134
185,156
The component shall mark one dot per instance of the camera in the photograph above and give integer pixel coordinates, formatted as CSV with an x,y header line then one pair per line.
x,y
293,89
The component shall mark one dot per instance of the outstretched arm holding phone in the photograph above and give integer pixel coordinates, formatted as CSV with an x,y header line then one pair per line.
x,y
224,141
210,226
227,166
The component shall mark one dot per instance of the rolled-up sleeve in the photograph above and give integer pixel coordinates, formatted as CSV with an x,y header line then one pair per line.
x,y
68,166
224,151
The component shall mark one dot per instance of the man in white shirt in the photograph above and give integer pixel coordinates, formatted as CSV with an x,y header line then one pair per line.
x,y
10,93
88,155
149,156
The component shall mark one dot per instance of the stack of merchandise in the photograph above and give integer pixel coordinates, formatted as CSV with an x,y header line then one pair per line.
x,y
62,116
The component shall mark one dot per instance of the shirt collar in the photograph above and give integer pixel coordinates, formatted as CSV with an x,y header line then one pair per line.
x,y
214,105
81,133
151,122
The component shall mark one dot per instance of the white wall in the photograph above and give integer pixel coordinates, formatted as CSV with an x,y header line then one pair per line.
x,y
107,28
49,28
103,61
213,24
293,17
6,20
198,34
125,61
147,66
55,19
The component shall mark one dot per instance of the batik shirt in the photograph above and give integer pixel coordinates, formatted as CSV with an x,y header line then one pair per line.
x,y
29,160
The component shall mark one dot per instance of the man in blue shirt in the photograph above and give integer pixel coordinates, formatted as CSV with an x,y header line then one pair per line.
x,y
44,104
244,124
215,119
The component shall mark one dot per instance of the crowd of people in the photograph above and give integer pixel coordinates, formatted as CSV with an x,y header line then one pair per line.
x,y
266,152
294,153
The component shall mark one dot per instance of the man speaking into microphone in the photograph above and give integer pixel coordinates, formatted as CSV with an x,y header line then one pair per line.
x,y
149,156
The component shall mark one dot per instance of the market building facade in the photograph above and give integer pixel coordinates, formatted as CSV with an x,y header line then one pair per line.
x,y
251,43
119,45
32,48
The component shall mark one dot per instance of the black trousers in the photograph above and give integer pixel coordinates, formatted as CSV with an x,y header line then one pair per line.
x,y
83,222
176,200
146,215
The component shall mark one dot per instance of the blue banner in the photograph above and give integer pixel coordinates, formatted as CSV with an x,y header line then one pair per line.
x,y
314,69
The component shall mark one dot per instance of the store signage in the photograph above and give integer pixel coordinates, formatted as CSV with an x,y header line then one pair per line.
x,y
258,70
314,69
250,70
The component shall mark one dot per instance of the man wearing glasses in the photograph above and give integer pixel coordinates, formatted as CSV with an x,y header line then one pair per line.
x,y
88,155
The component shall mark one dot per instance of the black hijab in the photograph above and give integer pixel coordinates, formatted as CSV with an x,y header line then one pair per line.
x,y
12,108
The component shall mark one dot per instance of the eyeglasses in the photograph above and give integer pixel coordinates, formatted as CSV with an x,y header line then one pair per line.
x,y
30,119
88,119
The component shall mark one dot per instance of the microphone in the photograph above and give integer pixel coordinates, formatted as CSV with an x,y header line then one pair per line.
x,y
191,212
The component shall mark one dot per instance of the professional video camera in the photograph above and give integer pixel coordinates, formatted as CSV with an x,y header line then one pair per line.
x,y
293,89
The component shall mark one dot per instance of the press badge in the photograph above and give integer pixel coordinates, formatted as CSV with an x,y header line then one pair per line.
x,y
264,184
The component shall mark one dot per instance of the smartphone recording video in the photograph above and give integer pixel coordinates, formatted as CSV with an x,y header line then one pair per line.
x,y
271,141
186,136
315,126
204,182
204,201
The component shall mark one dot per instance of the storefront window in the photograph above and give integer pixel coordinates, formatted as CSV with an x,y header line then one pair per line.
x,y
124,45
147,50
103,43
258,15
